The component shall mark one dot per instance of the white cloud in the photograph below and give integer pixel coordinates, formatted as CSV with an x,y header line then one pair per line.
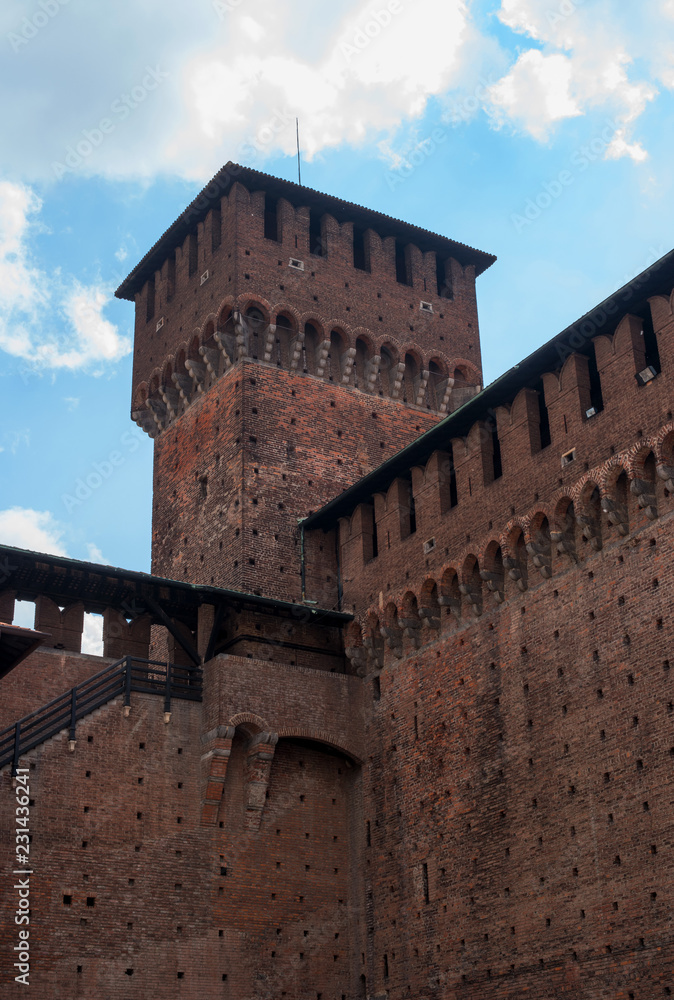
x,y
121,254
72,402
233,80
39,531
619,147
13,441
94,554
84,339
252,29
587,57
31,529
380,67
95,339
351,72
536,93
22,291
92,635
530,17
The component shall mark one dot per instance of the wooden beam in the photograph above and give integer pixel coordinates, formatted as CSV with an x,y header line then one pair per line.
x,y
215,631
164,620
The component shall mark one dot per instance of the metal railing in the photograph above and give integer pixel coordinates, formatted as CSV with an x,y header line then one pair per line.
x,y
120,678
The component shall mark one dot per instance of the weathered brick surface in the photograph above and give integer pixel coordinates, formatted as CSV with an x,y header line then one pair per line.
x,y
330,292
262,449
43,676
265,906
466,791
635,422
527,759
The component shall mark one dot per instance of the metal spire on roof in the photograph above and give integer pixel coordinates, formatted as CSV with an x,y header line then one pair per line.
x,y
299,168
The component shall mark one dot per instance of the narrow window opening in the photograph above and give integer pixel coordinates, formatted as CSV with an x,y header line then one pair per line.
x,y
424,879
596,397
451,473
171,277
270,218
375,542
193,253
316,241
651,351
497,464
92,634
385,966
376,689
150,300
359,255
443,277
543,415
216,229
412,510
402,271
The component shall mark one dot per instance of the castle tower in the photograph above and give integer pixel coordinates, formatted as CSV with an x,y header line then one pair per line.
x,y
286,344
443,765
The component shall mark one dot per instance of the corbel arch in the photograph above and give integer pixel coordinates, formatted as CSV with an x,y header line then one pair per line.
x,y
450,594
515,559
563,536
493,570
588,512
471,584
616,501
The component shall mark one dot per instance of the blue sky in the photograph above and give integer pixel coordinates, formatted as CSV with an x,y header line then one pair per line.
x,y
538,130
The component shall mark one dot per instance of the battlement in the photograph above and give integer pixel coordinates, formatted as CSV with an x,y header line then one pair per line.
x,y
535,474
263,269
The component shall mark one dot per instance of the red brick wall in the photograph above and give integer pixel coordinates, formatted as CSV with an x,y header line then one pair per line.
x,y
635,421
329,292
296,702
487,811
524,754
273,448
290,885
41,677
527,759
198,897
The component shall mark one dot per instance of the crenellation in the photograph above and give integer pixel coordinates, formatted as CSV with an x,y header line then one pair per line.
x,y
287,227
7,600
63,625
555,538
410,687
122,637
415,272
662,314
428,269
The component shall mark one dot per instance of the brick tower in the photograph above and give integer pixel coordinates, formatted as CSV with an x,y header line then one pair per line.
x,y
392,717
286,344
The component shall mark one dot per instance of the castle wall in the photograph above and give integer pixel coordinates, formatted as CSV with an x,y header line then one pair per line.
x,y
520,776
230,245
139,890
467,791
535,486
261,449
525,758
44,675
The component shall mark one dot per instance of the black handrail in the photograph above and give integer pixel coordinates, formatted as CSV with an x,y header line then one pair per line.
x,y
126,675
